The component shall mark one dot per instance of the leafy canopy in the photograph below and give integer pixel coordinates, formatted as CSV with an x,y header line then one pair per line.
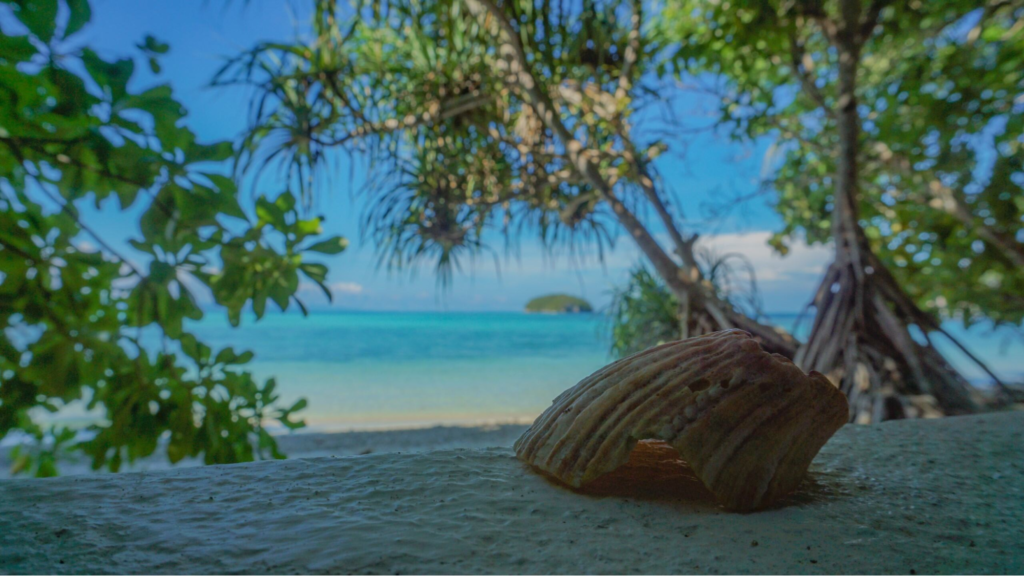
x,y
940,100
83,323
424,92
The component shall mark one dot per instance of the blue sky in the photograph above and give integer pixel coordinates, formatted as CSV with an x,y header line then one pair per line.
x,y
708,169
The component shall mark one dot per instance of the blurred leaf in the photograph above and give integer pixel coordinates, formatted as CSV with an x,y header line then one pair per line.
x,y
151,44
39,16
79,14
108,327
335,245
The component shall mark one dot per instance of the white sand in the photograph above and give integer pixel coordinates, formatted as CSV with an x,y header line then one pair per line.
x,y
305,444
941,496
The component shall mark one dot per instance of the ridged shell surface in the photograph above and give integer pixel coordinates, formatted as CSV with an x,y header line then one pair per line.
x,y
748,422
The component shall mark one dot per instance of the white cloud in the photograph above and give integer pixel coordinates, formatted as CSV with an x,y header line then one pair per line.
x,y
801,262
346,288
769,266
315,294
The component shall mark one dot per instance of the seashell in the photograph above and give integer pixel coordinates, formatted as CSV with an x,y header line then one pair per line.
x,y
749,442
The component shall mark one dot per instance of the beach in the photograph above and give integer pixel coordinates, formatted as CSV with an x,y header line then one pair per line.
x,y
924,496
399,370
388,370
407,467
400,382
488,287
394,370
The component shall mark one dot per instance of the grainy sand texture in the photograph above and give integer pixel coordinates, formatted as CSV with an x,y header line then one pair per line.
x,y
944,496
306,444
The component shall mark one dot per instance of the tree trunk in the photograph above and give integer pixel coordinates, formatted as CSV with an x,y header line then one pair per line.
x,y
861,337
703,309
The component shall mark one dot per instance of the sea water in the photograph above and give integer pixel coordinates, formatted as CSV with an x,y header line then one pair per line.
x,y
367,370
400,369
388,370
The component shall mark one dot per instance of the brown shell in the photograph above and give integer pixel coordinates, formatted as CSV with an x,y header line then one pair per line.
x,y
748,422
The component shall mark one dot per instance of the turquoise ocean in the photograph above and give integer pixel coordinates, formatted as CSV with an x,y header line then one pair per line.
x,y
364,370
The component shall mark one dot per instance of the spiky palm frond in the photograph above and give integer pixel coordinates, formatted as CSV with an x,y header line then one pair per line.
x,y
733,278
419,90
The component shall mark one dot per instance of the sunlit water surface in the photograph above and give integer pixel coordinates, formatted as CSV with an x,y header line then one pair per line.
x,y
379,369
362,370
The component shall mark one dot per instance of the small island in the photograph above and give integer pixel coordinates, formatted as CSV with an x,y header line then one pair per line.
x,y
558,304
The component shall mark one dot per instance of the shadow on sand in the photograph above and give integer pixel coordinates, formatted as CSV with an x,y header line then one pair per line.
x,y
655,472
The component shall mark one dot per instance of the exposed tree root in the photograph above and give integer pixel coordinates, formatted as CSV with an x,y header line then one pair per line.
x,y
862,341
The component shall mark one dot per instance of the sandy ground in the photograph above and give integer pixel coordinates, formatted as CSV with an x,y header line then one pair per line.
x,y
305,444
943,496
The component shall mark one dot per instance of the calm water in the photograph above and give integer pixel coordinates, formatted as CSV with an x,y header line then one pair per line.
x,y
370,369
380,369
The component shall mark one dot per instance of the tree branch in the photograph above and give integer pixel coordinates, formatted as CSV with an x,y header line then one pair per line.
x,y
99,240
513,50
807,80
632,51
56,159
684,247
441,112
867,26
697,293
1012,250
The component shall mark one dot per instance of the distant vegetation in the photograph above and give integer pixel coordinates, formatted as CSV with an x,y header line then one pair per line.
x,y
558,303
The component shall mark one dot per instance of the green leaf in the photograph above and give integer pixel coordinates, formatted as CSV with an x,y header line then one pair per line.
x,y
225,356
47,467
7,350
281,295
161,273
210,153
151,44
259,305
268,389
270,213
286,202
15,48
21,462
334,245
302,307
113,76
79,16
73,99
316,272
306,228
39,16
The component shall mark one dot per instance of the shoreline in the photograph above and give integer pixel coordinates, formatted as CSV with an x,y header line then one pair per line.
x,y
325,426
314,443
